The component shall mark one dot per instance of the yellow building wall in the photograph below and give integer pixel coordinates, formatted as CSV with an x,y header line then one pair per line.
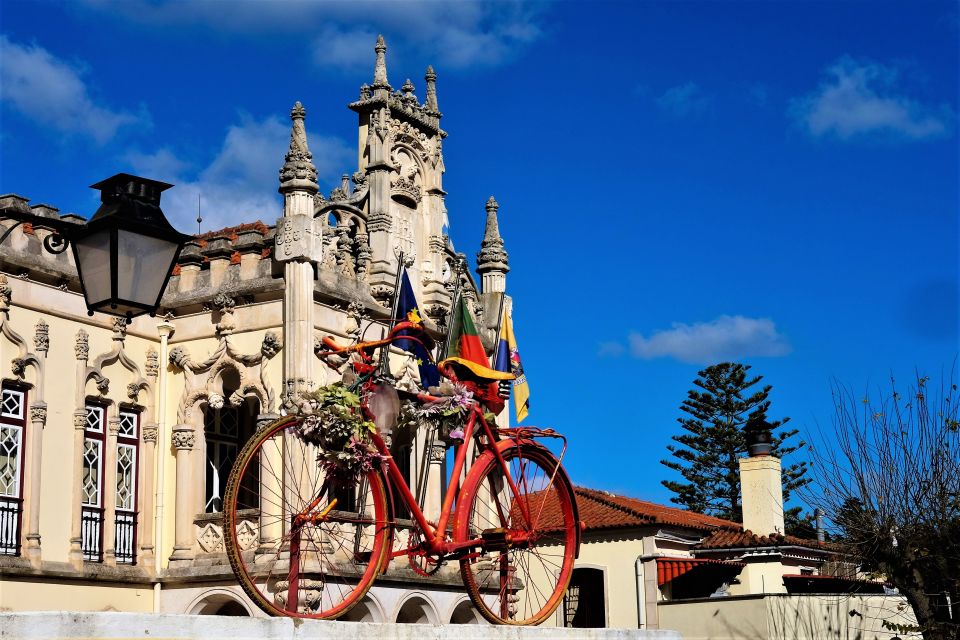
x,y
33,595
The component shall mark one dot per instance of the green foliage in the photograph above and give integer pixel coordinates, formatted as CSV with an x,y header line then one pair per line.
x,y
334,422
706,454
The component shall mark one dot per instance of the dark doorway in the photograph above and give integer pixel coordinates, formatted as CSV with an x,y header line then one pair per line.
x,y
584,606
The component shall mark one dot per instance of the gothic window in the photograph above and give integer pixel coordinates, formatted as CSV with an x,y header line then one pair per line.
x,y
12,430
225,431
91,484
128,457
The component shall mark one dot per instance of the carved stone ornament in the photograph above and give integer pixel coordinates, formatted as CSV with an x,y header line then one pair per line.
x,y
81,345
153,363
215,401
225,305
18,366
183,438
298,171
80,420
406,189
438,453
120,328
133,390
210,538
382,293
38,413
151,433
5,293
41,337
271,345
179,357
298,239
113,425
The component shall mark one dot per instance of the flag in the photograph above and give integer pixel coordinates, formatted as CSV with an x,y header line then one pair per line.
x,y
408,309
465,341
508,359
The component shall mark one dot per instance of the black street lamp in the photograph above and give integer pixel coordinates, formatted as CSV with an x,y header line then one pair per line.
x,y
125,253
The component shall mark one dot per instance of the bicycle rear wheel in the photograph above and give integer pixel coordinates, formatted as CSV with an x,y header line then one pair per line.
x,y
300,544
526,517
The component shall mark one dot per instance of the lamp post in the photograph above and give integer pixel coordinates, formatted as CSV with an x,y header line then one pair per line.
x,y
125,253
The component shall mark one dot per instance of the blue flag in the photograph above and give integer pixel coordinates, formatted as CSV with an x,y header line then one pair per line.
x,y
408,309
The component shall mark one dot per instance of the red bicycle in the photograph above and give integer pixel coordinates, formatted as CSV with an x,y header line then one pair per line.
x,y
306,543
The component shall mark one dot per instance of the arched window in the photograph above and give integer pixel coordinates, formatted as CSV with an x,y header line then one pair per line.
x,y
128,464
13,426
226,430
91,484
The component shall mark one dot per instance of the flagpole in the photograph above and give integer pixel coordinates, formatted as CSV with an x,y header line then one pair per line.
x,y
453,309
496,336
385,351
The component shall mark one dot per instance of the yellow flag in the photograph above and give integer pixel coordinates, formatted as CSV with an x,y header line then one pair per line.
x,y
508,359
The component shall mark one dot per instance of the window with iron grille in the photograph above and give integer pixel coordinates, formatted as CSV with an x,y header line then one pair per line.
x,y
128,459
91,484
13,425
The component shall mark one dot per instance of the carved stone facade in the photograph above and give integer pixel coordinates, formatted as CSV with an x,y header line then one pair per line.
x,y
236,335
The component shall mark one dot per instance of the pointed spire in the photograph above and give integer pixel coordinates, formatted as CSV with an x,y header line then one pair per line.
x,y
380,68
492,255
431,79
298,172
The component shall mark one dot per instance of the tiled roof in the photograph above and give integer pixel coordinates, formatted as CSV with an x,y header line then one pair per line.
x,y
602,510
738,539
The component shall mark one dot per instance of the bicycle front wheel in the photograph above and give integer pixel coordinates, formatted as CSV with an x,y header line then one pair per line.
x,y
525,516
301,544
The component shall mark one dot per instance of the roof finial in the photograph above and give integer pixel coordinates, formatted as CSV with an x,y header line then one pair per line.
x,y
492,255
298,172
431,78
380,69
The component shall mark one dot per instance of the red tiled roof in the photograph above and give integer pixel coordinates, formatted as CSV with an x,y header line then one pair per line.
x,y
727,539
671,568
232,232
602,510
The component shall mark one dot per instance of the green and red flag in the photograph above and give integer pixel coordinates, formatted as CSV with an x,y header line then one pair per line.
x,y
465,340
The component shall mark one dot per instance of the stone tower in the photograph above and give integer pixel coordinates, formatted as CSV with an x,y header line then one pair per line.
x,y
401,161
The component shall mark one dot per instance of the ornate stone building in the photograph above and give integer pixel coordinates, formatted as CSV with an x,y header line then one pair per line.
x,y
116,438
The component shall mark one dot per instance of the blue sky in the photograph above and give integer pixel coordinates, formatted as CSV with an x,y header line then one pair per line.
x,y
680,183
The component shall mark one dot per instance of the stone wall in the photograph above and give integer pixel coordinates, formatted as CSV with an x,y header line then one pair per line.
x,y
132,625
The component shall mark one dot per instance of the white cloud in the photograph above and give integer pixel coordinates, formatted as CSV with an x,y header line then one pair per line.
x,y
684,99
450,34
52,93
240,183
725,338
860,98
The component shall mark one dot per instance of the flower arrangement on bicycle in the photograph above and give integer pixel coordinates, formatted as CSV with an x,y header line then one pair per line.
x,y
324,484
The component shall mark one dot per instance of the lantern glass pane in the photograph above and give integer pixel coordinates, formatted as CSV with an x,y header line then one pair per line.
x,y
143,265
93,265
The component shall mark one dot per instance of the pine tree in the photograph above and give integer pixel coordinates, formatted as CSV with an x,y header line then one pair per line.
x,y
707,453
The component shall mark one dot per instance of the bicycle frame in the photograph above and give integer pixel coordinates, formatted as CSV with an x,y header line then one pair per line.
x,y
434,535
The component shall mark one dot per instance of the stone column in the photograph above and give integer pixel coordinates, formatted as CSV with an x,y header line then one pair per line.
x,y
146,489
271,521
38,419
110,492
298,247
75,554
434,496
183,439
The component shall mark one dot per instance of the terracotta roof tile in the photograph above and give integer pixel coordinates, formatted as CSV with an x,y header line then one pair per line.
x,y
728,539
602,510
